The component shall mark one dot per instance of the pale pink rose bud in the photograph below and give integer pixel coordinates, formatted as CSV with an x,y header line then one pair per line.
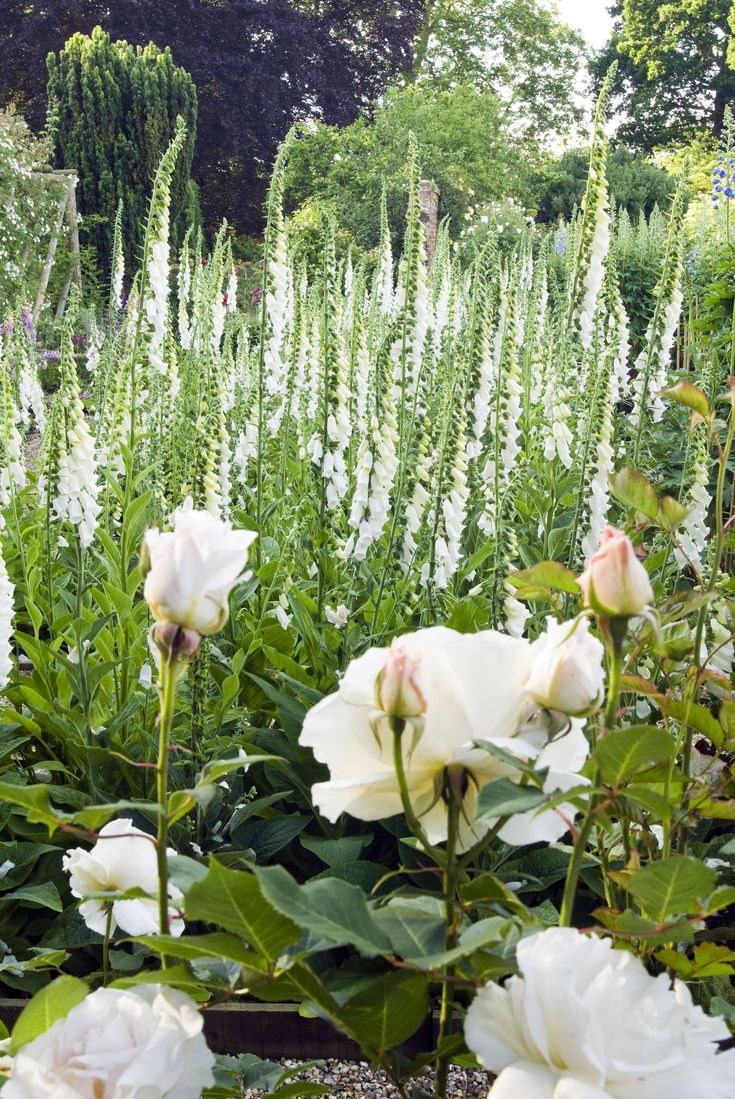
x,y
397,687
615,583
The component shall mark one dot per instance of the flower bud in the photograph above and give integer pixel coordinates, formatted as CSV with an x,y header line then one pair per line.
x,y
615,583
567,672
397,688
190,571
174,642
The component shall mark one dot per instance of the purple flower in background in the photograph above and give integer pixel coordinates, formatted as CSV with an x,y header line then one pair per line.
x,y
28,323
52,356
7,328
78,339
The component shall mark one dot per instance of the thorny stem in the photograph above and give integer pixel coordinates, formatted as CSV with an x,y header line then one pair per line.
x,y
446,1010
398,726
167,690
106,947
615,635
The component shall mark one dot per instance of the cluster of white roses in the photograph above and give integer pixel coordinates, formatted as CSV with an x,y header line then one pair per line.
x,y
543,1032
464,689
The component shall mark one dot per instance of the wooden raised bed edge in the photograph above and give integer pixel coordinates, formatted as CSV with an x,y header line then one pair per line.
x,y
271,1031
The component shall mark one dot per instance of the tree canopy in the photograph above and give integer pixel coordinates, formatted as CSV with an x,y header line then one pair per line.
x,y
518,49
674,75
461,146
258,66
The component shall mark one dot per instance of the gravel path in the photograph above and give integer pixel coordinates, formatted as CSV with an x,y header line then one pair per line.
x,y
356,1080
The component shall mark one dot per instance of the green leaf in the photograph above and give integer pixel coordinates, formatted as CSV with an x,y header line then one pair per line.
x,y
195,947
260,1075
672,887
336,852
332,909
45,893
291,712
546,574
267,837
233,900
671,513
389,1010
629,924
415,929
718,1006
684,393
183,871
503,798
695,715
653,802
53,1002
298,1088
624,753
34,799
633,489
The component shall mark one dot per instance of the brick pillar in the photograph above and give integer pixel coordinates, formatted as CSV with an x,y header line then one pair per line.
x,y
429,213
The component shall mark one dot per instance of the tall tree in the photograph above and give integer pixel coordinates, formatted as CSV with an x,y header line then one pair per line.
x,y
112,113
517,49
258,65
674,77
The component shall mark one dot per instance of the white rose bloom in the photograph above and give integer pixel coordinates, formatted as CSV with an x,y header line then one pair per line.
x,y
567,672
585,1021
123,858
193,569
472,688
145,1043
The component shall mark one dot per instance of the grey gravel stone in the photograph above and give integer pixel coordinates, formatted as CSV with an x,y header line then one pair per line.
x,y
356,1080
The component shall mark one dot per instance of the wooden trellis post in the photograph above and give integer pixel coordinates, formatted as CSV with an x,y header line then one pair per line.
x,y
66,210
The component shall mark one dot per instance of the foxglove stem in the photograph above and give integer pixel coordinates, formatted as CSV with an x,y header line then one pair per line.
x,y
446,1011
167,690
614,630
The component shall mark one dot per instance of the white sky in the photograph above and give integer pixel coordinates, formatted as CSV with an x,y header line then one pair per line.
x,y
588,16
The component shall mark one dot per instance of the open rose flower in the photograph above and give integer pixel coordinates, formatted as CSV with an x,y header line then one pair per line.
x,y
193,568
466,687
615,583
567,672
122,859
142,1043
585,1021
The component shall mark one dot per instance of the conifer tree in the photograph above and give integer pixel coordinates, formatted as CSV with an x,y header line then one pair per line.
x,y
112,113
